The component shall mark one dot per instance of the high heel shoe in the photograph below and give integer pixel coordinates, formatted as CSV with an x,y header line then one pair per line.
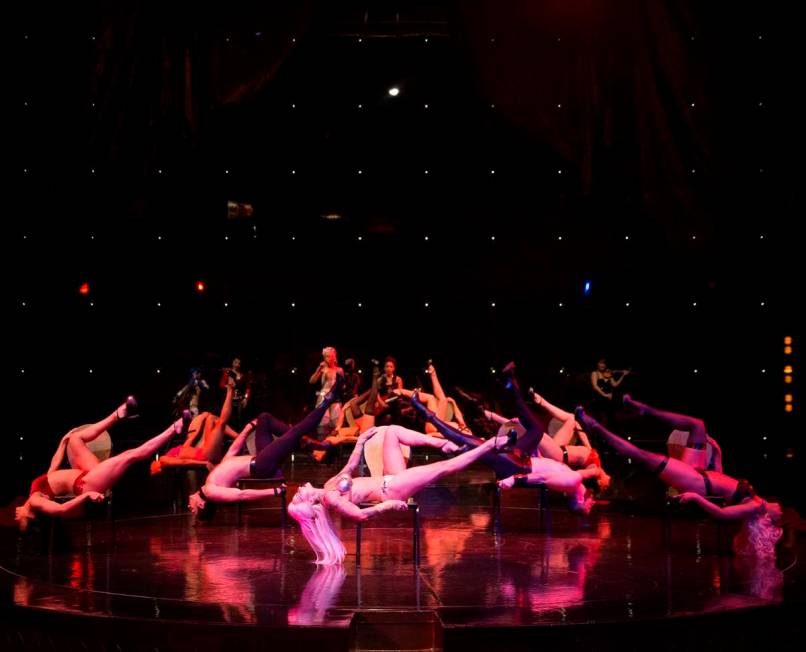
x,y
130,409
508,373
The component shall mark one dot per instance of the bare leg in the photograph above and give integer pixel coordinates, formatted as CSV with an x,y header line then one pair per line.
x,y
439,394
504,464
81,456
565,434
409,481
213,439
108,472
393,461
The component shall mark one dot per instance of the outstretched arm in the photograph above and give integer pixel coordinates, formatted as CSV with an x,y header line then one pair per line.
x,y
47,506
731,512
358,451
335,501
220,494
497,418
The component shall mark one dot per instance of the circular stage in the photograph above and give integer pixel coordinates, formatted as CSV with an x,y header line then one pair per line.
x,y
485,578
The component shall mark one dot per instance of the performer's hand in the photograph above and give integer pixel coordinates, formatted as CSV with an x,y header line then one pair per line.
x,y
94,496
396,505
507,483
688,497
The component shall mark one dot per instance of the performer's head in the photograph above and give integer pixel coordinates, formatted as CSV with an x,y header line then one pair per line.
x,y
202,507
389,366
329,356
759,534
581,501
312,515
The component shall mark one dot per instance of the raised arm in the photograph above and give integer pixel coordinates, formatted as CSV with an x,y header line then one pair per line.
x,y
731,512
317,374
358,451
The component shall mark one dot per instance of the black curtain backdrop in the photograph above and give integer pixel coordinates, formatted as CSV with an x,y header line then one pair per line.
x,y
653,149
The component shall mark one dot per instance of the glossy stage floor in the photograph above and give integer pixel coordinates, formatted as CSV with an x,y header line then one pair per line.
x,y
609,581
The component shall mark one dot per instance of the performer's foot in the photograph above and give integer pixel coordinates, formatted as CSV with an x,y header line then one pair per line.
x,y
508,373
128,410
429,367
534,396
588,423
635,405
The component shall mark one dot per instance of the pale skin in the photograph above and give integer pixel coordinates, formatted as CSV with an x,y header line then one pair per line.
x,y
686,479
602,372
404,482
211,442
550,447
696,457
100,477
219,485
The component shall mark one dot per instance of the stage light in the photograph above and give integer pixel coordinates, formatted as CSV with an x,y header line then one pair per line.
x,y
84,289
492,304
788,398
627,304
788,407
560,304
293,305
788,340
787,350
332,217
426,171
559,238
559,106
360,106
559,171
492,171
788,380
788,369
492,237
425,106
159,305
426,304
587,288
394,91
626,237
426,238
200,286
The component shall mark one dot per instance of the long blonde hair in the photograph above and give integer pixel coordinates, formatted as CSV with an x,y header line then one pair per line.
x,y
757,536
314,521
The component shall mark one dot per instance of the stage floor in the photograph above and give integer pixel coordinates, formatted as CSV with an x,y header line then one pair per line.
x,y
608,568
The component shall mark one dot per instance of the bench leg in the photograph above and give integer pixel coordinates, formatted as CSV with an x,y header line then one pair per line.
x,y
358,543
